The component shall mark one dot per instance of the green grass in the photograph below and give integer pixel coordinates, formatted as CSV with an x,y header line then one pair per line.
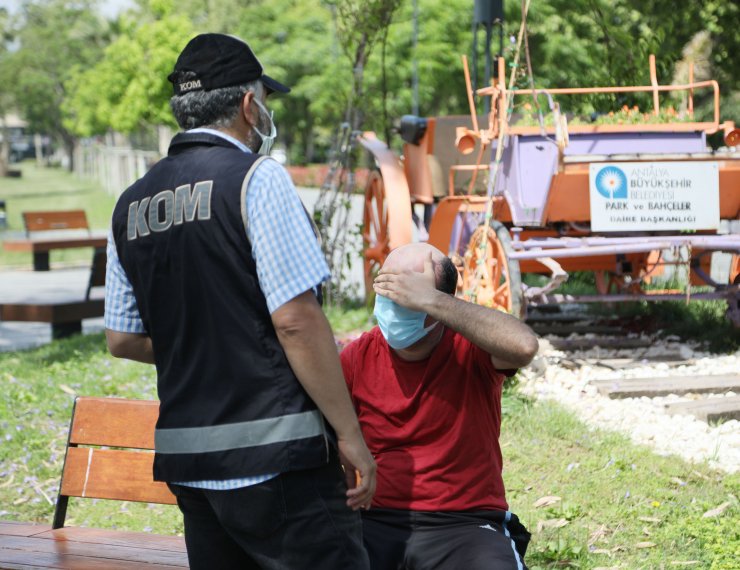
x,y
36,405
605,483
52,189
353,317
616,499
704,322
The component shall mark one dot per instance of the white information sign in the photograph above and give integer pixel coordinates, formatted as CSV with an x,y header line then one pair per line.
x,y
654,196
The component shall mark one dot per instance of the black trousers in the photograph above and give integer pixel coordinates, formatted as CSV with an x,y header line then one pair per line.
x,y
415,540
298,520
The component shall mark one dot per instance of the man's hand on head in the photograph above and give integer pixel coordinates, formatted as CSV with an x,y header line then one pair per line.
x,y
414,290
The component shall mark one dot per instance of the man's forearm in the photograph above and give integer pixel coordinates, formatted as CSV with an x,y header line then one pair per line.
x,y
308,342
499,334
130,346
309,345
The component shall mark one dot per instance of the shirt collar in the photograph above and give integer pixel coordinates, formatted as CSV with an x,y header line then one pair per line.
x,y
237,143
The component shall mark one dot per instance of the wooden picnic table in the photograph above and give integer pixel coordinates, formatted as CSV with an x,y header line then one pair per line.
x,y
36,546
41,246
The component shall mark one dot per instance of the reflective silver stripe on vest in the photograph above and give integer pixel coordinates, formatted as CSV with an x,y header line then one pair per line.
x,y
239,435
245,184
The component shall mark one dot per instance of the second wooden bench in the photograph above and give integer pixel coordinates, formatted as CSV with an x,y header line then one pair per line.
x,y
65,317
94,471
50,230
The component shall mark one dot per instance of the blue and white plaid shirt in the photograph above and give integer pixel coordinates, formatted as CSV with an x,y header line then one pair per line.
x,y
288,258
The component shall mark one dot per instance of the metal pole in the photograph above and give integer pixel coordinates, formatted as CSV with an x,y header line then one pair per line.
x,y
475,57
487,100
500,39
415,79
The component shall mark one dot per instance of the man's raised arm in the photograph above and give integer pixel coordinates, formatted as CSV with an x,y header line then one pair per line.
x,y
511,343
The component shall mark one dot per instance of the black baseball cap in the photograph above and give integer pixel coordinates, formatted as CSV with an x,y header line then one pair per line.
x,y
218,60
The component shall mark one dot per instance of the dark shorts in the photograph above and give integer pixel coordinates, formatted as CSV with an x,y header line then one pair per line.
x,y
298,520
414,540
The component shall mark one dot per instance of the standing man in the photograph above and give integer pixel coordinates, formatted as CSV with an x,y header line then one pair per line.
x,y
426,384
213,274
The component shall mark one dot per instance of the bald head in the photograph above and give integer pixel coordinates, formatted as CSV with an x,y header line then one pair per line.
x,y
412,257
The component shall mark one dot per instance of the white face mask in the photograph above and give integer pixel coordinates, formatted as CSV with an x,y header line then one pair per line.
x,y
267,140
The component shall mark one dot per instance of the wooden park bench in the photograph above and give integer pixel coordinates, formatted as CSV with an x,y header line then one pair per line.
x,y
108,457
46,231
64,316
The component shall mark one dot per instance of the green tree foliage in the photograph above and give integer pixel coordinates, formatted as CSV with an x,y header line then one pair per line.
x,y
587,43
5,95
444,36
722,20
361,24
608,42
297,44
128,87
301,42
218,16
52,38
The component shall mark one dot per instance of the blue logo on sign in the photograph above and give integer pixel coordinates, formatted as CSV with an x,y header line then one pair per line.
x,y
611,183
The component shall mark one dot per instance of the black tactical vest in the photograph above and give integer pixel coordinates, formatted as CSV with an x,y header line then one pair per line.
x,y
230,404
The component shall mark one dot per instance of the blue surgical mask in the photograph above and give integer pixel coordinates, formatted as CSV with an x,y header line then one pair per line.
x,y
401,327
267,140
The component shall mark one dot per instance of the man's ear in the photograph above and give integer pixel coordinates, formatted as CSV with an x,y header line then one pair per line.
x,y
246,108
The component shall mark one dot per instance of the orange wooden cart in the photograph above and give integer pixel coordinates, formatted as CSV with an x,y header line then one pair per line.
x,y
541,201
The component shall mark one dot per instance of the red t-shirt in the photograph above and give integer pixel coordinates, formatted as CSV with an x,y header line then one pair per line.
x,y
432,425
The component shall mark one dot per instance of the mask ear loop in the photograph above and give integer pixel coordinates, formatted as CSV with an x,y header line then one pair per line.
x,y
430,328
264,109
273,129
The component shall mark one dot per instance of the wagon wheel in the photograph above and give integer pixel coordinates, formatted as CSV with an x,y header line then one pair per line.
x,y
375,231
735,270
499,284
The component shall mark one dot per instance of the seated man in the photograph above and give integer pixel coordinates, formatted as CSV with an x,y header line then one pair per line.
x,y
426,384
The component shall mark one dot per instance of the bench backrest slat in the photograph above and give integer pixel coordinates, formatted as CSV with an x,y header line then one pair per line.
x,y
118,474
114,422
113,474
55,220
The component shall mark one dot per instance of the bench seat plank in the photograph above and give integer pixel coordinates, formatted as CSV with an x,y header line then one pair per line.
x,y
13,528
72,311
143,540
24,552
35,546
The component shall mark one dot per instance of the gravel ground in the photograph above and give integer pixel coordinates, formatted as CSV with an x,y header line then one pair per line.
x,y
553,376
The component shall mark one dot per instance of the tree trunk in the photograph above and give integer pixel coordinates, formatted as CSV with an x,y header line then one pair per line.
x,y
355,114
164,136
5,152
69,147
39,148
308,138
